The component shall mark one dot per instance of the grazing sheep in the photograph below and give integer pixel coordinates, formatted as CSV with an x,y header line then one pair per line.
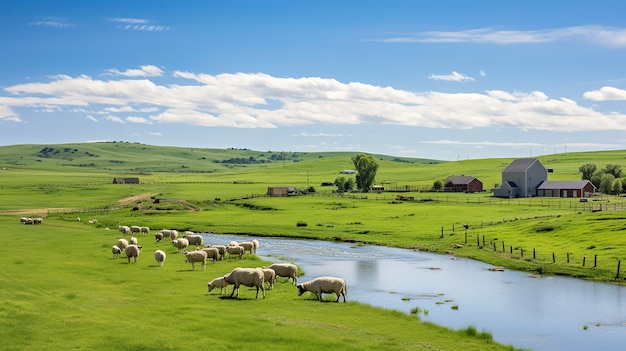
x,y
269,276
248,246
158,237
37,220
212,253
221,249
122,243
28,221
285,270
174,234
116,251
180,243
167,233
247,277
217,283
92,221
23,220
124,229
132,251
233,243
256,245
144,230
159,256
135,229
195,256
322,285
235,250
194,239
133,240
77,219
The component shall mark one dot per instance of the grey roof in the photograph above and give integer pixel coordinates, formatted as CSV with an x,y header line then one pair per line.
x,y
563,184
460,179
521,165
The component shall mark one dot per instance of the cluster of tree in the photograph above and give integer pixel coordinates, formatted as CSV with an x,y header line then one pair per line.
x,y
607,180
366,168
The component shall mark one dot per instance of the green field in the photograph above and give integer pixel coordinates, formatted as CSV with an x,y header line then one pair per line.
x,y
73,295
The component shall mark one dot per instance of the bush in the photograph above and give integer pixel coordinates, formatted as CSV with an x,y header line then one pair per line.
x,y
301,224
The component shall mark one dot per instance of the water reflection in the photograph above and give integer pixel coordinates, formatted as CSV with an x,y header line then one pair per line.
x,y
543,313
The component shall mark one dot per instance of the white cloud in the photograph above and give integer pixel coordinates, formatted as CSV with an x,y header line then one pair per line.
x,y
139,24
606,94
92,118
482,73
452,77
55,22
516,144
245,100
143,71
329,135
134,119
593,34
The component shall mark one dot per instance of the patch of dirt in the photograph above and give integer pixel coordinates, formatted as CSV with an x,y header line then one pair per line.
x,y
131,199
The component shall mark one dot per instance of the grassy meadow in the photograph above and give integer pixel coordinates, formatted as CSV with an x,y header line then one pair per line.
x,y
73,295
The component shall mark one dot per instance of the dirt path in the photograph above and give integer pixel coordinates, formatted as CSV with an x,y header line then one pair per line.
x,y
44,211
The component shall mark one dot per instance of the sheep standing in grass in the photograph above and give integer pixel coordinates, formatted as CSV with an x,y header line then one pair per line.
x,y
269,276
194,239
247,277
195,256
144,230
158,237
135,229
248,246
212,253
132,251
221,249
234,250
322,285
287,270
180,243
159,256
217,283
122,243
124,229
133,240
116,251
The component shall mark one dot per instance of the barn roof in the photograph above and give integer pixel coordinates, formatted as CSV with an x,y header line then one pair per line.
x,y
521,165
460,179
564,184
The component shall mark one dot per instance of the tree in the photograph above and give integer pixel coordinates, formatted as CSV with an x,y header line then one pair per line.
x,y
614,169
617,186
344,184
437,185
606,183
366,168
587,170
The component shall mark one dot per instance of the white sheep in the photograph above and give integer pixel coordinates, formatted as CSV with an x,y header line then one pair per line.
x,y
144,230
269,276
135,229
174,234
248,246
194,239
77,219
132,251
167,233
133,240
328,285
195,256
234,250
180,243
247,277
116,251
124,229
256,245
217,283
159,256
220,248
158,237
122,243
212,253
287,270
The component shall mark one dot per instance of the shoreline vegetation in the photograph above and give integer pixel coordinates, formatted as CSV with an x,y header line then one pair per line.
x,y
191,189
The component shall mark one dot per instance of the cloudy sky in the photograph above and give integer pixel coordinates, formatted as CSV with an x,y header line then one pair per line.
x,y
431,79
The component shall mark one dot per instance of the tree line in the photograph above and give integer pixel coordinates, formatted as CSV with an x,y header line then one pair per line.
x,y
608,180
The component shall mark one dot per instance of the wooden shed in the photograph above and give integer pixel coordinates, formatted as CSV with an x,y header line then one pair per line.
x,y
281,190
125,180
463,184
566,188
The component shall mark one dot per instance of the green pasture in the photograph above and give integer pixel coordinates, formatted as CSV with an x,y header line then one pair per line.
x,y
63,290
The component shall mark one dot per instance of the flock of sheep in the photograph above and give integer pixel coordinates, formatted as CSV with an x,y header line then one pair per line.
x,y
250,277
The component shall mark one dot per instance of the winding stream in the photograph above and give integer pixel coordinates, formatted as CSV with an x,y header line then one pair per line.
x,y
544,313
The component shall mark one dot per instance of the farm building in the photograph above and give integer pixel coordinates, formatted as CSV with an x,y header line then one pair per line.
x,y
566,188
281,190
462,184
125,180
521,178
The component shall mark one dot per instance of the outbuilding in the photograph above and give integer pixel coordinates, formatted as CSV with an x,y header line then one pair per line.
x,y
463,184
125,180
566,188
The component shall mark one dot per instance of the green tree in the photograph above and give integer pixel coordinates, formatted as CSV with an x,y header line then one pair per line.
x,y
606,184
596,178
614,169
366,168
617,186
437,185
344,184
587,170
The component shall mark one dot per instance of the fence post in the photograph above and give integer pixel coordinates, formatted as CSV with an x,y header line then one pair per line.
x,y
477,240
483,241
522,252
584,259
465,236
617,274
502,245
595,261
534,254
553,258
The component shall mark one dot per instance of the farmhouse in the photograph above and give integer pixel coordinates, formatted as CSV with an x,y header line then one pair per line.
x,y
463,184
521,178
566,188
281,190
125,180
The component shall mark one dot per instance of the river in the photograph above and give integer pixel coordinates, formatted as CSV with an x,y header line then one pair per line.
x,y
530,312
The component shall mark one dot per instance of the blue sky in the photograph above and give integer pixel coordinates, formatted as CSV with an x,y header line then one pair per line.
x,y
431,79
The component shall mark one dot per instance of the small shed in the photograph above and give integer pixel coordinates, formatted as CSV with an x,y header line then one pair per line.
x,y
125,180
281,190
463,184
566,188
